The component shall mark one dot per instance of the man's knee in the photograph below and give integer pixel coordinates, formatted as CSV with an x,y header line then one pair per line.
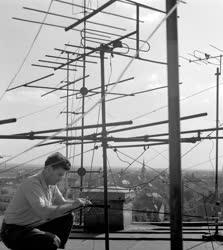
x,y
56,241
52,242
43,240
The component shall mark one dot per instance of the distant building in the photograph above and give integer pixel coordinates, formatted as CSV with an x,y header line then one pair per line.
x,y
148,206
143,172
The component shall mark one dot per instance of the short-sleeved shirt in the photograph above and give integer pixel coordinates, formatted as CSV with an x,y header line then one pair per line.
x,y
34,202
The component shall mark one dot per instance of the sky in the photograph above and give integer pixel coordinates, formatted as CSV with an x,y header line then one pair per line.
x,y
199,27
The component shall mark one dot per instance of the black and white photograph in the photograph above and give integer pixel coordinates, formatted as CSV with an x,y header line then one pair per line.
x,y
111,125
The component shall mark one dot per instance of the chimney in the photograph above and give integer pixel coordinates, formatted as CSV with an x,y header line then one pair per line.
x,y
120,209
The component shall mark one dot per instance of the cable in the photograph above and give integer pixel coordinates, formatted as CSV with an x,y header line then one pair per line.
x,y
157,176
33,159
203,162
138,161
181,100
121,158
198,143
29,51
14,167
196,245
185,177
206,186
39,111
134,160
110,63
209,155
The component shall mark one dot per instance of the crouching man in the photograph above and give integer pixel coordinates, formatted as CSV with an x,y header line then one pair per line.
x,y
38,216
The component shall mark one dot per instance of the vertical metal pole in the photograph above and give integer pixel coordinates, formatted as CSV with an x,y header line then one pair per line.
x,y
67,123
83,109
174,130
216,152
104,147
83,100
137,31
67,116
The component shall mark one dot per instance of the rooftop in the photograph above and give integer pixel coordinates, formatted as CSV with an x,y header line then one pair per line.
x,y
141,236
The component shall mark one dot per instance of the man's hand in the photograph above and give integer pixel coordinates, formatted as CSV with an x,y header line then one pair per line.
x,y
81,202
84,201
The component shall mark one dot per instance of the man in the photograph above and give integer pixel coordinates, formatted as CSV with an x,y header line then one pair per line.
x,y
38,216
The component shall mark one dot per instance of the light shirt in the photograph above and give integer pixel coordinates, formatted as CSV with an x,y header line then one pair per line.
x,y
34,202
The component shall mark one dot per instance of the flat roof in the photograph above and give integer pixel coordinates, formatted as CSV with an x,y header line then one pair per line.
x,y
140,237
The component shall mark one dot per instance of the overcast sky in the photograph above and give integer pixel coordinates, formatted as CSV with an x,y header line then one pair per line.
x,y
199,27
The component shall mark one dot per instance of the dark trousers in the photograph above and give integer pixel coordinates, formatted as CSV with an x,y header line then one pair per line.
x,y
48,236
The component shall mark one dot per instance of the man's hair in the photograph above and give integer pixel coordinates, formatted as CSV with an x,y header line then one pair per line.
x,y
57,160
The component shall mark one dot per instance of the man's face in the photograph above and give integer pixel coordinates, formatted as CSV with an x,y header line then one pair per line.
x,y
55,175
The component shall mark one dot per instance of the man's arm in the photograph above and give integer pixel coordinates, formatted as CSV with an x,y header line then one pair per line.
x,y
35,197
58,199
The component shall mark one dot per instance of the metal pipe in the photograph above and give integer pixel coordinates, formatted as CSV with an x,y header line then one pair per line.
x,y
6,121
49,143
216,151
111,93
117,35
113,83
124,80
67,106
187,131
147,139
138,145
175,189
157,123
78,127
139,58
74,53
98,41
44,87
47,24
95,33
78,143
36,80
40,137
152,124
49,67
137,31
83,106
66,85
90,15
98,48
104,12
104,147
68,17
60,57
47,61
115,98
